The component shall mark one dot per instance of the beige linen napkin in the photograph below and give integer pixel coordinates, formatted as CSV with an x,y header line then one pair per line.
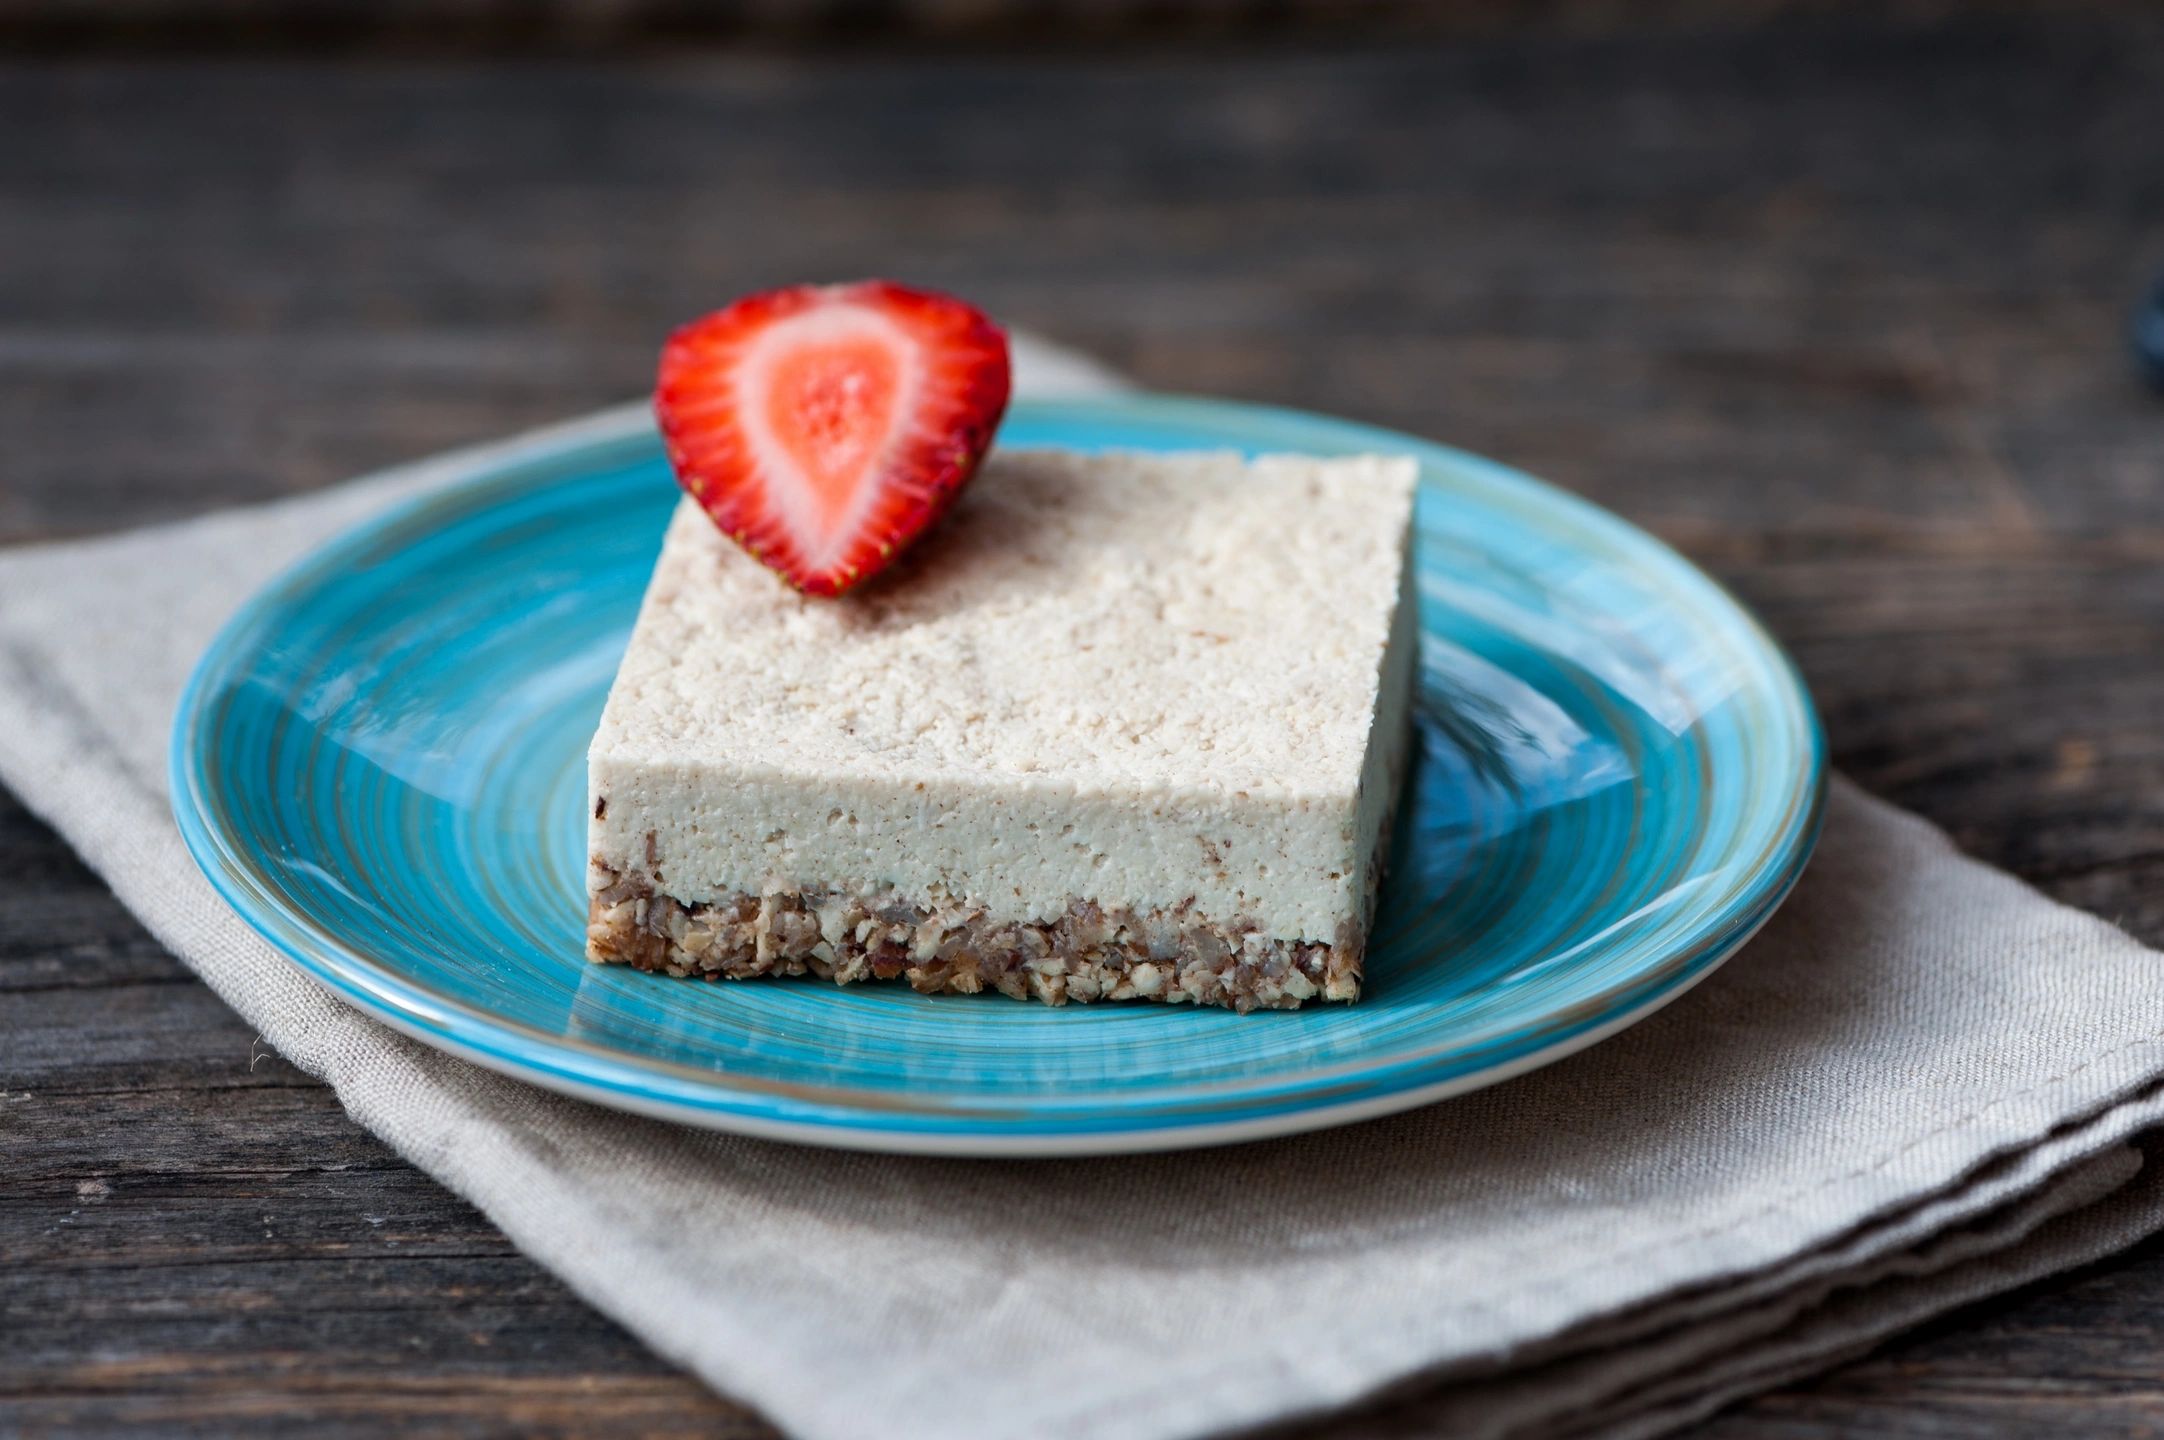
x,y
1917,1086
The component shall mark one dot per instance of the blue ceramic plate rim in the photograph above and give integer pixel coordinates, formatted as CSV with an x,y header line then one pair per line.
x,y
925,1122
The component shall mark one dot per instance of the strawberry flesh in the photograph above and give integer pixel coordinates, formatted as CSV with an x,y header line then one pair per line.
x,y
826,427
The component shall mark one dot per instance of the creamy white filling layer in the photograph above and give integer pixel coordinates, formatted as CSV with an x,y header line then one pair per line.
x,y
1246,670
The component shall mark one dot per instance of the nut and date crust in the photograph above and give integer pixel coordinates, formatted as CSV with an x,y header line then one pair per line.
x,y
951,948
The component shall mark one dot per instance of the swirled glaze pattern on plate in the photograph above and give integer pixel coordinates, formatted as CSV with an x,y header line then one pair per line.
x,y
380,763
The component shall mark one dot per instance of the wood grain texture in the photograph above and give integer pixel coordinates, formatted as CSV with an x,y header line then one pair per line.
x,y
1836,305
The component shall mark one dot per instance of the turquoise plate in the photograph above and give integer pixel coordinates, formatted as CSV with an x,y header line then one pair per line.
x,y
380,764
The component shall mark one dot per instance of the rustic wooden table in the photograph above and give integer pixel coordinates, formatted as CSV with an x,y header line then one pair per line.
x,y
1837,307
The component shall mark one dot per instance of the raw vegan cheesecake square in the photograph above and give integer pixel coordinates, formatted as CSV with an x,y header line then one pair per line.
x,y
1123,726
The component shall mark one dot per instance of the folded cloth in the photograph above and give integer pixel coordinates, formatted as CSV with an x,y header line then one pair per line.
x,y
1917,1086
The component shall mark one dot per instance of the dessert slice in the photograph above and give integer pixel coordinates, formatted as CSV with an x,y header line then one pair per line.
x,y
1124,726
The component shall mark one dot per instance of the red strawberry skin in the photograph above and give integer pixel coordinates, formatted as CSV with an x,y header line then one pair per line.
x,y
825,427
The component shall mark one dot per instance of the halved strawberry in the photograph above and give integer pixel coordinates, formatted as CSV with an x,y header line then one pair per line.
x,y
824,427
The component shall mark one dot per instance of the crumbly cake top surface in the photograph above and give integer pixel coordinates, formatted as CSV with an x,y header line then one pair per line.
x,y
1120,622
